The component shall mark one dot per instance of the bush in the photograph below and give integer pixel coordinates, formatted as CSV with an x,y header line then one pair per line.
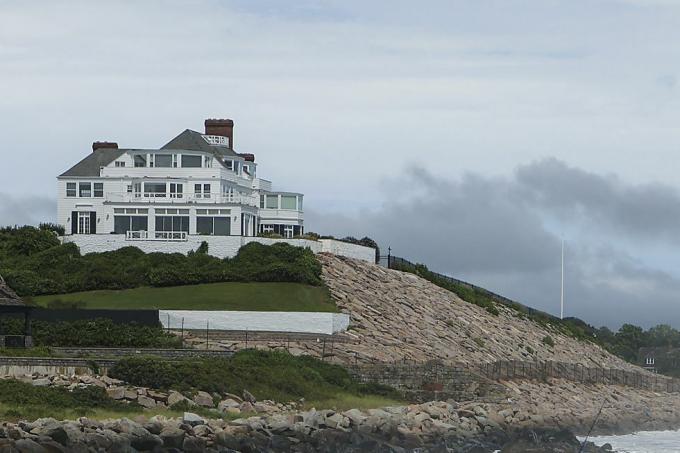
x,y
33,262
267,375
548,341
98,333
13,392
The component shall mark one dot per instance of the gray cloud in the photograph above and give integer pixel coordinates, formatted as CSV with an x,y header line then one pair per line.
x,y
502,233
26,210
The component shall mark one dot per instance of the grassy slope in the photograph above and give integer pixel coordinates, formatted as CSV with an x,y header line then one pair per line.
x,y
212,296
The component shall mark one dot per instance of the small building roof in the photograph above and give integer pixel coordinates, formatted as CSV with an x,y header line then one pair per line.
x,y
8,298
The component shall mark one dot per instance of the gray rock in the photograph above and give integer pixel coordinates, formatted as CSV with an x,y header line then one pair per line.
x,y
172,437
29,446
146,402
116,393
194,444
204,399
192,419
247,396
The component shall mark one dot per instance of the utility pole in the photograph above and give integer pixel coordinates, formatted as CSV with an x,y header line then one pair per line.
x,y
562,285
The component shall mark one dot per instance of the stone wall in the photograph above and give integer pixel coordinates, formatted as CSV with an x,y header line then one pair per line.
x,y
127,352
219,246
267,321
22,366
430,381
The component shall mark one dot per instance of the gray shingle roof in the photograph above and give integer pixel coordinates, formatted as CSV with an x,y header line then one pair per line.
x,y
8,296
93,162
193,141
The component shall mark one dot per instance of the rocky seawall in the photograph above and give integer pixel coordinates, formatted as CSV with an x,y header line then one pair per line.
x,y
534,416
435,426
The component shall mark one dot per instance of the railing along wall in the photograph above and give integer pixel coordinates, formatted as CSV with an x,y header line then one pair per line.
x,y
517,369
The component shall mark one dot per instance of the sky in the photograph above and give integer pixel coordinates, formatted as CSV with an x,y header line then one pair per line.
x,y
473,136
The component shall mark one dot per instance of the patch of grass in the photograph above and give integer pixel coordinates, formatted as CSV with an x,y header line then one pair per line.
x,y
40,351
478,341
267,375
209,296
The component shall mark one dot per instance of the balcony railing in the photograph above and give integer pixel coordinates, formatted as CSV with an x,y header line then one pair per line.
x,y
176,236
178,198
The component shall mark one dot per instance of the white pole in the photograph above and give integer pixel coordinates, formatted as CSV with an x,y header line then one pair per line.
x,y
562,285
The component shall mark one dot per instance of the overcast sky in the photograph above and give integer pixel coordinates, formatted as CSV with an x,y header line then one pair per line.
x,y
469,135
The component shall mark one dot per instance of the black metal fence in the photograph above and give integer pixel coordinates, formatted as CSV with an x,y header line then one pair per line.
x,y
517,369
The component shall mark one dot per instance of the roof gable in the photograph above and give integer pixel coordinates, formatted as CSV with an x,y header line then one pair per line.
x,y
93,162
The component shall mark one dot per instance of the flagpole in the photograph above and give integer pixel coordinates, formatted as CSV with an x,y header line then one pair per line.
x,y
562,285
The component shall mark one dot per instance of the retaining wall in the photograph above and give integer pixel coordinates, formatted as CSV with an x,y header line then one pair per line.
x,y
219,246
21,366
268,321
430,381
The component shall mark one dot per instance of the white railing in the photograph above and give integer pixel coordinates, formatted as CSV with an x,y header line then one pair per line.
x,y
156,236
173,198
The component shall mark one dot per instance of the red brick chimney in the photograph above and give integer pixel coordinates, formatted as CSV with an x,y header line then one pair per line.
x,y
222,128
101,145
247,157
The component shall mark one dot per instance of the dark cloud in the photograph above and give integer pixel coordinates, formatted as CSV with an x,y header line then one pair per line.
x,y
501,233
26,210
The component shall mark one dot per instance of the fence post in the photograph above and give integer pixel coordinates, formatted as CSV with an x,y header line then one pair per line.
x,y
182,328
207,334
168,322
246,338
323,350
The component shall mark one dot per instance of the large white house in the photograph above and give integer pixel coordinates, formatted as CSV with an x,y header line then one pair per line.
x,y
196,184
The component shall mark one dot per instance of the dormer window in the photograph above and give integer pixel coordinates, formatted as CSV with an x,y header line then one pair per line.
x,y
217,140
140,160
650,361
208,161
165,160
189,161
120,163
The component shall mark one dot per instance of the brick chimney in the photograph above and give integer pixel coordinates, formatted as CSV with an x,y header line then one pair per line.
x,y
247,157
102,145
222,128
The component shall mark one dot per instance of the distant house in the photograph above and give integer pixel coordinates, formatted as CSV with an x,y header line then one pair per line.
x,y
196,184
661,359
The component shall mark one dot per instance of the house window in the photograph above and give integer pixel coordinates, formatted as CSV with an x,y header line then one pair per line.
x,y
71,189
208,161
267,228
189,161
123,224
165,160
288,231
176,190
272,202
84,223
214,226
261,201
85,189
98,189
229,164
649,361
172,223
120,163
288,202
202,190
140,160
154,189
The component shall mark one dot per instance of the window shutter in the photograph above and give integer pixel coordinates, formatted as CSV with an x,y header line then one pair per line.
x,y
93,222
74,222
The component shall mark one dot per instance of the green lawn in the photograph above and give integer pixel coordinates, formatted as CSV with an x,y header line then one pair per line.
x,y
212,296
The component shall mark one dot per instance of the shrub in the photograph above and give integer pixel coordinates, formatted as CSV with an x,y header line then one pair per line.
x,y
33,262
267,375
102,333
548,341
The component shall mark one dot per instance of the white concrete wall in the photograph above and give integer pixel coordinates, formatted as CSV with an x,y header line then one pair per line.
x,y
267,321
349,250
219,246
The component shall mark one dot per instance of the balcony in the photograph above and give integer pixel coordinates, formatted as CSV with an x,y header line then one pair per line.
x,y
160,198
280,214
172,236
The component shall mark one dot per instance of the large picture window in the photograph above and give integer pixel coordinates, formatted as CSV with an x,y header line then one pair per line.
x,y
288,202
189,161
214,226
172,223
154,189
165,161
272,202
124,223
